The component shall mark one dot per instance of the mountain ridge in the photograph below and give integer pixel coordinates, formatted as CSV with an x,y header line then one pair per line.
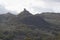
x,y
26,26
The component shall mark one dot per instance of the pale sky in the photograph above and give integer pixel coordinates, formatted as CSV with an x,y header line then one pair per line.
x,y
34,6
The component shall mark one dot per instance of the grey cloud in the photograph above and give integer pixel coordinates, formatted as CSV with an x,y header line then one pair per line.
x,y
52,0
13,12
2,9
40,9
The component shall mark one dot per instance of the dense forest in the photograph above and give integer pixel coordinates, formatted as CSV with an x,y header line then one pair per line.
x,y
26,26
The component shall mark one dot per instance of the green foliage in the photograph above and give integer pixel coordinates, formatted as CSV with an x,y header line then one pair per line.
x,y
1,35
57,37
27,38
8,37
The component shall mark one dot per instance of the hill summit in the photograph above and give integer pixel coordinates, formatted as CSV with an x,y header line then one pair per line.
x,y
25,13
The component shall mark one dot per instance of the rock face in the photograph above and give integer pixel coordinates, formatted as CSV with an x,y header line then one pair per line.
x,y
25,13
34,20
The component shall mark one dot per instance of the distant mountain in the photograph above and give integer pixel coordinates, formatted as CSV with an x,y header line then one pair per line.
x,y
6,17
34,20
24,13
26,26
51,17
25,17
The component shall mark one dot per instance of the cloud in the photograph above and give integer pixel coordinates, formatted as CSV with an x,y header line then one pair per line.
x,y
41,9
2,9
18,5
51,0
33,6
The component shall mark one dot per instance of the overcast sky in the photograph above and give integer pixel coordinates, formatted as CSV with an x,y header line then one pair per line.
x,y
34,6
